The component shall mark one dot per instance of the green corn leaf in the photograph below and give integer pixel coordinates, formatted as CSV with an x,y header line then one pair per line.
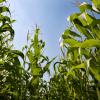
x,y
80,66
12,21
16,61
28,36
85,52
73,17
86,19
71,42
35,81
96,22
89,19
17,52
4,9
36,44
91,43
1,62
75,54
68,33
36,70
88,43
83,31
96,72
46,67
84,6
82,19
6,27
95,31
95,7
30,56
14,93
4,18
2,1
96,4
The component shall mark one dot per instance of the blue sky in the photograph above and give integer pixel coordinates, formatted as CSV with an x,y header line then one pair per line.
x,y
49,15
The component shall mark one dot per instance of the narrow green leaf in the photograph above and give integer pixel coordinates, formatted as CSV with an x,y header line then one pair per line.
x,y
28,36
82,65
36,44
71,42
88,43
91,43
46,67
12,21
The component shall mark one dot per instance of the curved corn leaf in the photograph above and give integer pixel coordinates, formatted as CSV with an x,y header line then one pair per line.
x,y
6,27
67,33
4,9
73,17
80,66
95,7
71,42
4,18
17,52
84,6
46,67
96,4
88,43
83,31
96,72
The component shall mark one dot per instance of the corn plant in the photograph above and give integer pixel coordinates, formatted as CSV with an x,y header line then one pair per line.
x,y
80,64
11,71
20,81
36,64
77,73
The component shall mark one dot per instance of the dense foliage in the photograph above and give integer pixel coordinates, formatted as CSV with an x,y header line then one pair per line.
x,y
76,74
